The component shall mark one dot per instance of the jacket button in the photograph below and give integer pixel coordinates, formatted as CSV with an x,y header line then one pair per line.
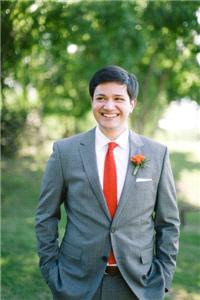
x,y
104,258
112,229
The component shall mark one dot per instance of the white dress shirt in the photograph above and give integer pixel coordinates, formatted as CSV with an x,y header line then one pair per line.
x,y
121,155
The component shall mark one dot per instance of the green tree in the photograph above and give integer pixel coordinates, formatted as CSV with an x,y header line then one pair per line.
x,y
54,47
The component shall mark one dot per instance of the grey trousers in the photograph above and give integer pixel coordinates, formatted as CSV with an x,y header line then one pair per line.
x,y
114,287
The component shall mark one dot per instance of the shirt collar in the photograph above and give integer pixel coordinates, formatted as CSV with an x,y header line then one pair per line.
x,y
102,140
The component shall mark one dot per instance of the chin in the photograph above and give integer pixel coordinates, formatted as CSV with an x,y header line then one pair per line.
x,y
109,128
109,125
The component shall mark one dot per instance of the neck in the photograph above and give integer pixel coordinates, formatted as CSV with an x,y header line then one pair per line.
x,y
112,135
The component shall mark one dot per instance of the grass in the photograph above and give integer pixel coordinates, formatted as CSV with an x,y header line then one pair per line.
x,y
21,278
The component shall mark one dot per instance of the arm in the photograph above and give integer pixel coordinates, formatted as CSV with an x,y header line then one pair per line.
x,y
48,213
167,222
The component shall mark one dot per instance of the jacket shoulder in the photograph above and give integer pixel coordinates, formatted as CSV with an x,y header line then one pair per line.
x,y
71,139
72,142
152,143
154,147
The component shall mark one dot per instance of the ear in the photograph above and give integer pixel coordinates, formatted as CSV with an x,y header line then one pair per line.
x,y
133,104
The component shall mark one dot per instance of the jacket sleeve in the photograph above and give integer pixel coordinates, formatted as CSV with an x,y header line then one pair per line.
x,y
48,213
167,222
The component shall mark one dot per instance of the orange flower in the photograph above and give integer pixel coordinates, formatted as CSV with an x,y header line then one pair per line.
x,y
138,160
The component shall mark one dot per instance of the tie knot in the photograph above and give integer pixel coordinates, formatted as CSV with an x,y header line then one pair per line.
x,y
112,145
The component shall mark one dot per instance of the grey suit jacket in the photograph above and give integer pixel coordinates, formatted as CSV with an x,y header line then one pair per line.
x,y
144,232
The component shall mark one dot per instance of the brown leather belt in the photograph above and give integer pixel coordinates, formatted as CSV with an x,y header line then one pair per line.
x,y
112,270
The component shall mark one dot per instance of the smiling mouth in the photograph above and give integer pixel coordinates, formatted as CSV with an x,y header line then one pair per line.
x,y
109,116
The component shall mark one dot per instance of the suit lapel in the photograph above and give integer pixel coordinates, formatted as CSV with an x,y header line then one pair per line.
x,y
136,144
88,155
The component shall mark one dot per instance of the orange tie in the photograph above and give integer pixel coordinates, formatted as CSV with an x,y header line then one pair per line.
x,y
110,186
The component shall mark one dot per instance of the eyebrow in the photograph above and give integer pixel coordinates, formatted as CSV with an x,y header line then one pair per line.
x,y
113,95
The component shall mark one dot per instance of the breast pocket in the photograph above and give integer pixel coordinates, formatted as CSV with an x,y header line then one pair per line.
x,y
144,185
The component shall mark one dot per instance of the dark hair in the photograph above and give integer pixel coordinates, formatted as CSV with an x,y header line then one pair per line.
x,y
114,73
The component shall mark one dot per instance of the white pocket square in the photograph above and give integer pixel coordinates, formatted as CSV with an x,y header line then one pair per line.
x,y
143,179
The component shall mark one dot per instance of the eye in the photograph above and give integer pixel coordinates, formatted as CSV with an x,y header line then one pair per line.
x,y
119,99
100,99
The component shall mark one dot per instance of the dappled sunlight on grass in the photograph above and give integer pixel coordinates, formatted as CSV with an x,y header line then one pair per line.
x,y
4,261
187,296
183,161
21,276
184,146
182,294
187,276
189,186
24,262
29,221
186,170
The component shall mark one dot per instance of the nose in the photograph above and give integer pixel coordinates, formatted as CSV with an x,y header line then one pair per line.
x,y
109,104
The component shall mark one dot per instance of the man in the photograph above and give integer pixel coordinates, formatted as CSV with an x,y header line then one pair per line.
x,y
121,237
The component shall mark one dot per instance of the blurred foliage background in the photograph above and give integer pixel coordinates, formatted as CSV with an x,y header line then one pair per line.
x,y
49,51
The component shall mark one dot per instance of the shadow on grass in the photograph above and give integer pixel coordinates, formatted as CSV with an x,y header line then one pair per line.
x,y
182,161
21,177
186,276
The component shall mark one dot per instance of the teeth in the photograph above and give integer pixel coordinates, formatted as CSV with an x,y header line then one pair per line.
x,y
110,115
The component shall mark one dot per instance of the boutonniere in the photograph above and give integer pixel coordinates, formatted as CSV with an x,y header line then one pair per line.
x,y
139,160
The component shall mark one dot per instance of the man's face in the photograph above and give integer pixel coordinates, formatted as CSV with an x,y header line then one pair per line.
x,y
111,107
